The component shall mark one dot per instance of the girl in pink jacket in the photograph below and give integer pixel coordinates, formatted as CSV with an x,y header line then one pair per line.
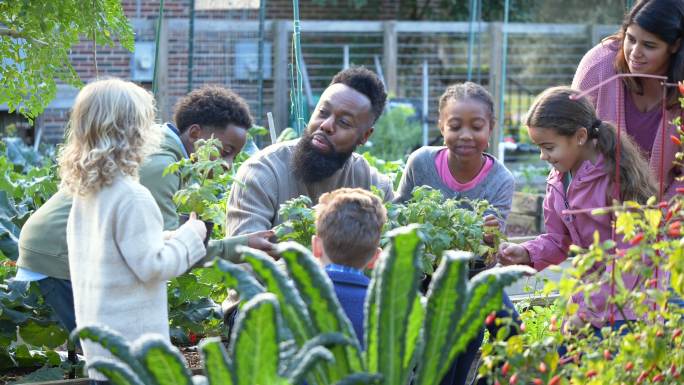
x,y
582,150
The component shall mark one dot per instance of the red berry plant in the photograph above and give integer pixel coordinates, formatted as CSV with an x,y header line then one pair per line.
x,y
639,338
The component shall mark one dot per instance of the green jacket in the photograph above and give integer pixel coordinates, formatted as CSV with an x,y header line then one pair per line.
x,y
42,241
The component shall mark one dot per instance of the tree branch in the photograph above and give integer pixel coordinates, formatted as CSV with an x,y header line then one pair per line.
x,y
19,35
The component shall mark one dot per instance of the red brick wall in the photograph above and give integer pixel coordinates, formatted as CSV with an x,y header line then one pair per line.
x,y
335,10
214,54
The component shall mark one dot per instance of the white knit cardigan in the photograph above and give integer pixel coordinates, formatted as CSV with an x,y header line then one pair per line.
x,y
119,262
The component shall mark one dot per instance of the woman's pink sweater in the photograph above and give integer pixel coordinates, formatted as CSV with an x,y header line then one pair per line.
x,y
609,100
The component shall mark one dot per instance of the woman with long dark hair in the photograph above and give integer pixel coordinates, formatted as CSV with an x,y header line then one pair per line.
x,y
649,42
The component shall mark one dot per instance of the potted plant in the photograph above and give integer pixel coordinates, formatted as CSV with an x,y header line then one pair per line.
x,y
204,182
447,224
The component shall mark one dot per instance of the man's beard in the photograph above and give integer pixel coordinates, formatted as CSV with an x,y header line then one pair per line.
x,y
311,166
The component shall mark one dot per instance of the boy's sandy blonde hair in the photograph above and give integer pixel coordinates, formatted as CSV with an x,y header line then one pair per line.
x,y
349,221
110,132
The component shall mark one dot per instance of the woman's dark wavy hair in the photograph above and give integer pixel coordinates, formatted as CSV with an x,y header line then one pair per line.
x,y
665,19
554,110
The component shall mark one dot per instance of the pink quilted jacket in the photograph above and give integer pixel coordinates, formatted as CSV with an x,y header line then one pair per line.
x,y
589,189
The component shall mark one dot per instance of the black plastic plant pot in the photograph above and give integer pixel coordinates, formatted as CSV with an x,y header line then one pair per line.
x,y
208,225
477,265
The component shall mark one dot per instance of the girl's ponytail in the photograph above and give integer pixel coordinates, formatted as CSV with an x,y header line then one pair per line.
x,y
636,182
558,109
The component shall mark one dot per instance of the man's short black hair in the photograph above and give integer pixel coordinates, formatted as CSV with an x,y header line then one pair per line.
x,y
211,106
366,82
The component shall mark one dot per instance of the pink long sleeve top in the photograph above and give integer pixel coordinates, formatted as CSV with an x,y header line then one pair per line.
x,y
609,100
590,188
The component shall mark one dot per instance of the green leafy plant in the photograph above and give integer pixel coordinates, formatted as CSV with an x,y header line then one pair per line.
x,y
396,134
27,179
446,224
300,332
392,169
299,221
194,305
640,265
35,42
530,175
204,181
405,328
195,297
252,357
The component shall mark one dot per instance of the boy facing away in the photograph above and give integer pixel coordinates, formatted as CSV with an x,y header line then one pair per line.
x,y
349,223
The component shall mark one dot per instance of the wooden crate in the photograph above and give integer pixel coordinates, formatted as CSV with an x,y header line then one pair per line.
x,y
526,217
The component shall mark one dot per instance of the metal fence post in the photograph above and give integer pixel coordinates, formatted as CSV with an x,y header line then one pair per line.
x,y
281,96
389,50
496,38
162,94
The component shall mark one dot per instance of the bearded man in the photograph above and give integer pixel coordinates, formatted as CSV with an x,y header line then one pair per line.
x,y
322,160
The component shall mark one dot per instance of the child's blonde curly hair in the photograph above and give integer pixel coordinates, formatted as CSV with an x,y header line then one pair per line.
x,y
110,132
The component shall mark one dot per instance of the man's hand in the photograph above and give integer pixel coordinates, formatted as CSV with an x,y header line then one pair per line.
x,y
260,240
513,254
490,222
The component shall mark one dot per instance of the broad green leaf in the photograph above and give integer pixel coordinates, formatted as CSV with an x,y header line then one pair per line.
x,y
397,291
114,342
322,340
294,309
42,375
254,344
161,361
413,332
446,297
370,324
362,378
217,365
237,278
484,295
28,358
304,364
116,373
50,335
191,288
325,310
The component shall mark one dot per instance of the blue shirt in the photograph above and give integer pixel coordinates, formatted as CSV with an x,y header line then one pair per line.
x,y
350,286
343,269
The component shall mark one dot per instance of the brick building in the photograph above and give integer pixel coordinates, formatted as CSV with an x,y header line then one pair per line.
x,y
221,54
408,54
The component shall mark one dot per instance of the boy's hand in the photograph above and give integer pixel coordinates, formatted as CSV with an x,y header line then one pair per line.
x,y
490,221
513,254
197,226
260,240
